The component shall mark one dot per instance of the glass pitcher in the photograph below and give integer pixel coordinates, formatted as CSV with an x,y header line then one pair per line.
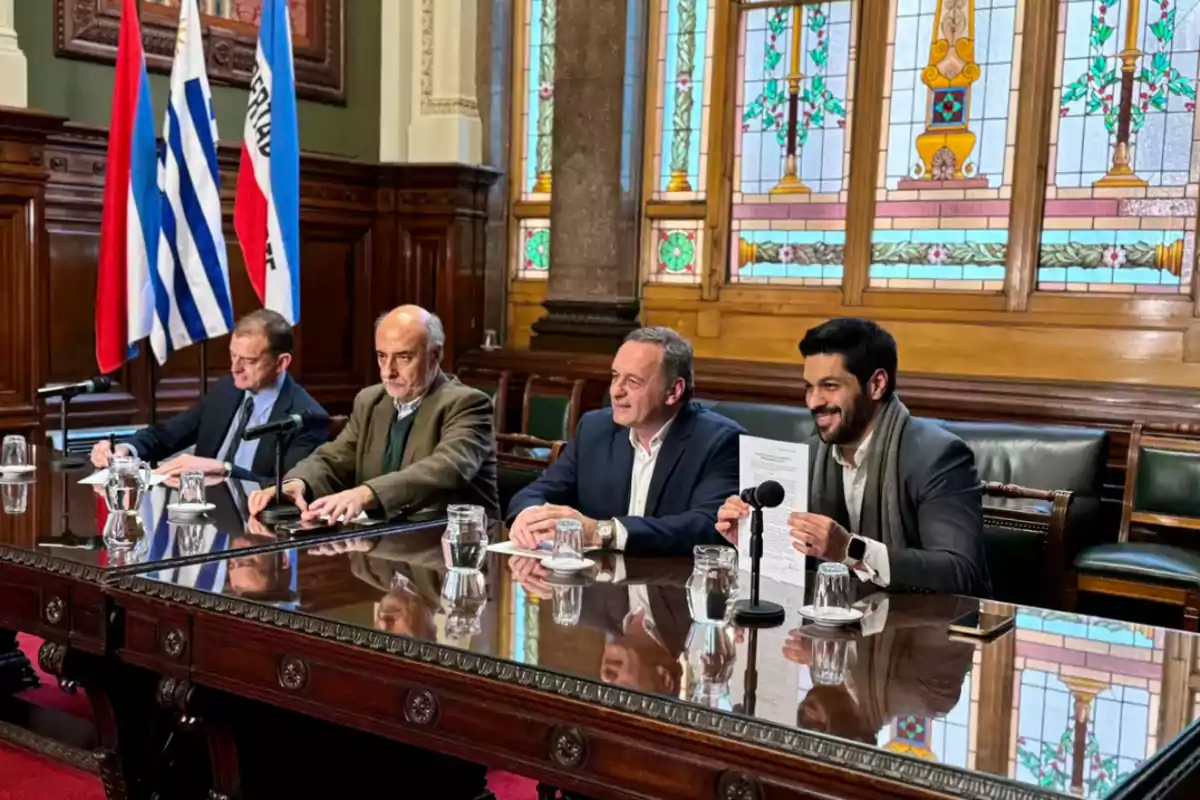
x,y
711,656
128,479
712,588
465,542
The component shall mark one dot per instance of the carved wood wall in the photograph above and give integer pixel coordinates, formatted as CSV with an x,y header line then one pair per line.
x,y
372,237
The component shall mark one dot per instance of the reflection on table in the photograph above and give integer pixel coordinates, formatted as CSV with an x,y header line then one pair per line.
x,y
1069,703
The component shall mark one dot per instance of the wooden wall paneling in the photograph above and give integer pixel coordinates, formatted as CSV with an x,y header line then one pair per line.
x,y
24,262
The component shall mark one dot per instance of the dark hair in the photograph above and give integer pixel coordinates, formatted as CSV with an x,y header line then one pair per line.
x,y
677,360
270,324
865,346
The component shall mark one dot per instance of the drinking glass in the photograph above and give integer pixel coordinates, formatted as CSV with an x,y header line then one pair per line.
x,y
191,487
712,587
464,544
568,604
490,341
832,595
568,541
16,497
16,452
829,661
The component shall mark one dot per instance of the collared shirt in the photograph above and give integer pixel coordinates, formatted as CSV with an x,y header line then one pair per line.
x,y
404,410
264,403
644,460
875,565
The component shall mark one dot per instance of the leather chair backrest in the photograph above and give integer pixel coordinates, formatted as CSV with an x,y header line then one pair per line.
x,y
784,423
1167,482
1037,456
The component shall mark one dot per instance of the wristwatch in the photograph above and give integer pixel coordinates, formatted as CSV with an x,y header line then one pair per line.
x,y
228,469
856,551
607,530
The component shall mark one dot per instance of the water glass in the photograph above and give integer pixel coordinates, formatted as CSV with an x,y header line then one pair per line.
x,y
832,595
828,666
464,544
16,497
191,487
16,451
712,587
568,604
490,341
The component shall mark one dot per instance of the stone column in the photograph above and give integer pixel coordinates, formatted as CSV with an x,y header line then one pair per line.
x,y
14,88
595,209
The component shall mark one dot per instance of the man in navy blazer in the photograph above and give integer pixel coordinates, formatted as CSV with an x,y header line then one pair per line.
x,y
646,475
258,390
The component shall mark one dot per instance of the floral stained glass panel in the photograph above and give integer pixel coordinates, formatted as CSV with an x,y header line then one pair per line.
x,y
949,116
683,100
675,251
532,249
1120,211
790,169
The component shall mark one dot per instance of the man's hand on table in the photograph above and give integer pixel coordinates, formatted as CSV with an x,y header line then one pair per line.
x,y
103,452
179,464
293,489
536,524
341,507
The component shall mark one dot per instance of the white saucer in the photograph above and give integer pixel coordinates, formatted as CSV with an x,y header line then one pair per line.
x,y
565,565
190,508
836,619
17,469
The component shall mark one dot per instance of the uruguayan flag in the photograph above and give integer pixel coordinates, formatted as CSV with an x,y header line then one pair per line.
x,y
191,284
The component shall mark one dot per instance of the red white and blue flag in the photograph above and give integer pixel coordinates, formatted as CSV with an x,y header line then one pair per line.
x,y
266,214
130,224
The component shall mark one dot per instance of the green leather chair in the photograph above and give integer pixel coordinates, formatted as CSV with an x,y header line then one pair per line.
x,y
1162,489
493,383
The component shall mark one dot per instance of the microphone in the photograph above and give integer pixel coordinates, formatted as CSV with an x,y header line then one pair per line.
x,y
767,494
100,384
292,422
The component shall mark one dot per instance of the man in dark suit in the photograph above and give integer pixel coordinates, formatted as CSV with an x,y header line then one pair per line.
x,y
894,497
645,476
258,391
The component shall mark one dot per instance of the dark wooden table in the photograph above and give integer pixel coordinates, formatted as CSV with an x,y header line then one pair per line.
x,y
377,636
54,567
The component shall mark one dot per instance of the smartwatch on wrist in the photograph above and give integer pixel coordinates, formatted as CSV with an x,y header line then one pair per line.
x,y
857,549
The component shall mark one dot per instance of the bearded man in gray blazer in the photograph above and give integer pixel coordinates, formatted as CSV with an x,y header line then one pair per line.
x,y
894,497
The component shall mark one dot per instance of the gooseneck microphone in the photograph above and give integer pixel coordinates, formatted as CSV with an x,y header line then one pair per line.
x,y
292,422
93,386
64,462
755,613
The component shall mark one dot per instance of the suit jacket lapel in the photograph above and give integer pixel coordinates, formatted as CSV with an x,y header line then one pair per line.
x,y
210,438
621,455
668,457
264,456
376,438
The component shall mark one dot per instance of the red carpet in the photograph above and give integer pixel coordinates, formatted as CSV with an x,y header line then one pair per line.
x,y
30,777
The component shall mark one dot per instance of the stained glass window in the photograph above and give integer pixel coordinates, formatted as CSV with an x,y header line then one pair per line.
x,y
675,250
949,121
532,249
537,102
791,150
1120,211
683,98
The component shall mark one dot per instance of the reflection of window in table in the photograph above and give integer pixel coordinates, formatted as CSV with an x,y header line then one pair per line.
x,y
525,626
1081,681
948,740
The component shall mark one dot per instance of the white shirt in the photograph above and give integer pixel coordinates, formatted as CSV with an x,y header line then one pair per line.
x,y
644,460
875,565
404,410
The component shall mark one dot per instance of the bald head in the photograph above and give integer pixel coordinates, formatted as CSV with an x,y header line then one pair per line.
x,y
408,348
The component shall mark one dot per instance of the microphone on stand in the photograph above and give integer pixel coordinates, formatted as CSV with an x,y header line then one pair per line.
x,y
281,508
755,613
65,391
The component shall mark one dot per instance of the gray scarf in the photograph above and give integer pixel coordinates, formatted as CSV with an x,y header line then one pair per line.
x,y
881,517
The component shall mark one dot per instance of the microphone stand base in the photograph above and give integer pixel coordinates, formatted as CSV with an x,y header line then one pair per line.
x,y
66,463
763,614
279,512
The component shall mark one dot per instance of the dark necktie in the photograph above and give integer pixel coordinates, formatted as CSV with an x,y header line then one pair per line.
x,y
236,442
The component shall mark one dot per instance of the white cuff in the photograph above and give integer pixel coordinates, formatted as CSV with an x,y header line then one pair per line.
x,y
875,566
620,535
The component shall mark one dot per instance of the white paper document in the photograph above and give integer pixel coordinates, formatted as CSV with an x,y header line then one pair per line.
x,y
100,477
762,460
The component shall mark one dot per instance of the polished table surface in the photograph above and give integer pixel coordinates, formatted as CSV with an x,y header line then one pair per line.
x,y
1061,704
